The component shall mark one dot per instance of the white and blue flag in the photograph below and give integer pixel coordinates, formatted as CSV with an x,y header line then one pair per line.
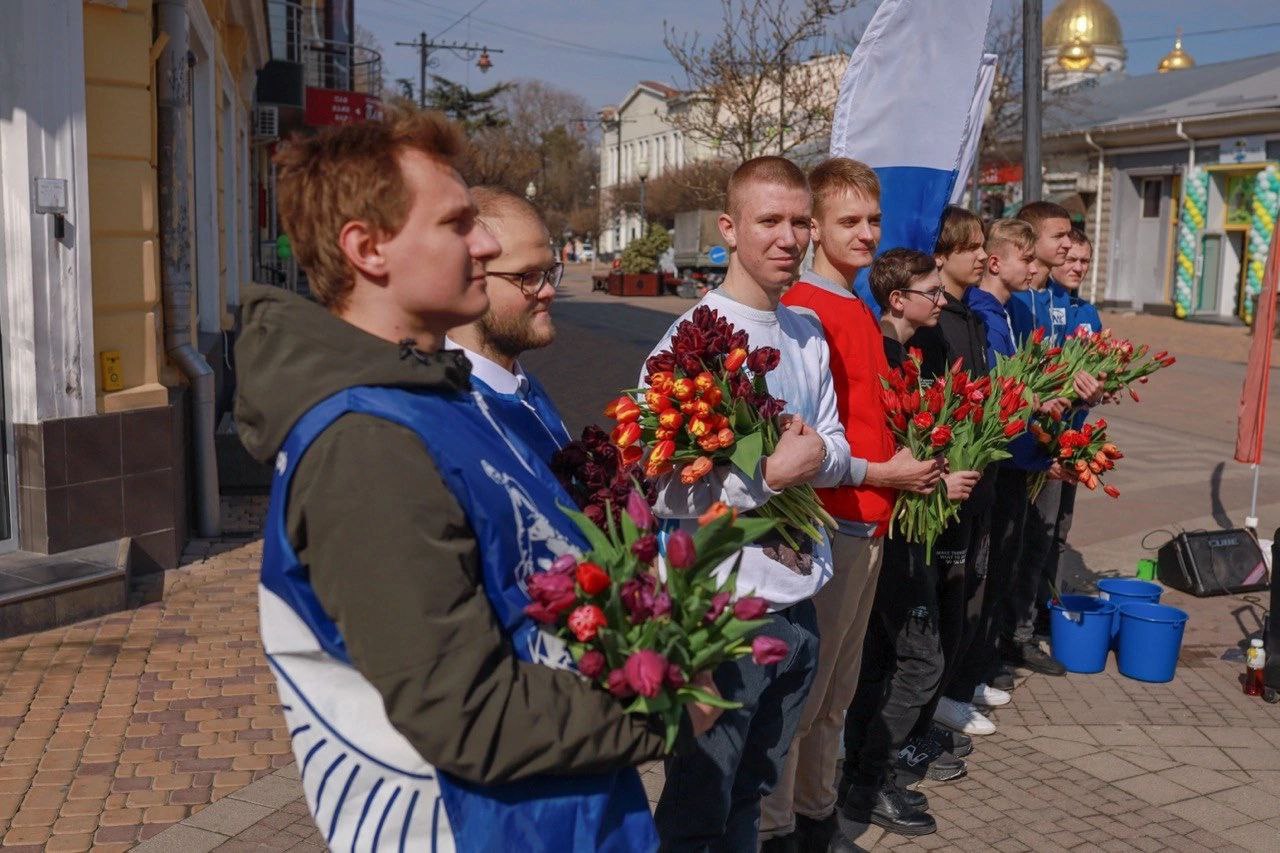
x,y
911,106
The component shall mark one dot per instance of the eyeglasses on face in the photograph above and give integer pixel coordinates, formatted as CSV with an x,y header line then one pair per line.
x,y
531,281
933,294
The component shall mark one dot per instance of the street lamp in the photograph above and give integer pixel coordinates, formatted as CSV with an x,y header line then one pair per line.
x,y
642,172
530,191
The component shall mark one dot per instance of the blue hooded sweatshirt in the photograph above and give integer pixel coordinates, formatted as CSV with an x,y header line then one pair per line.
x,y
1080,313
1047,309
1000,341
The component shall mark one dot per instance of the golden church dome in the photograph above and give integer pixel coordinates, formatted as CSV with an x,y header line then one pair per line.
x,y
1176,59
1077,55
1083,21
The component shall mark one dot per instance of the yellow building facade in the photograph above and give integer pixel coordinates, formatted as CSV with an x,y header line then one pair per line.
x,y
101,424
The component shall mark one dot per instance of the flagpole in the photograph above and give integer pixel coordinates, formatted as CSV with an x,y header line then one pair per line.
x,y
1252,521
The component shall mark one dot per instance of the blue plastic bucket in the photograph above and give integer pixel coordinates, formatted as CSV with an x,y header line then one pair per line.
x,y
1150,639
1080,630
1122,591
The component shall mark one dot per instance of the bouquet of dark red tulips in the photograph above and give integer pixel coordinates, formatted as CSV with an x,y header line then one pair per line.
x,y
1085,453
968,421
706,403
644,625
598,475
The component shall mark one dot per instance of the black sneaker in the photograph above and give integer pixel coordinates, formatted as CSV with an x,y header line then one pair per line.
x,y
789,843
1002,680
816,835
923,757
956,743
887,809
1031,656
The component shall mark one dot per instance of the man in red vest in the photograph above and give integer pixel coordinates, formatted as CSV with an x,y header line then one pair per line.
x,y
846,229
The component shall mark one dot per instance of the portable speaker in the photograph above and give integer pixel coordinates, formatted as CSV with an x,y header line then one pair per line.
x,y
1219,562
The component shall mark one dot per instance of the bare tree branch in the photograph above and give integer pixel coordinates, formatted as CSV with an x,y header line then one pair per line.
x,y
753,90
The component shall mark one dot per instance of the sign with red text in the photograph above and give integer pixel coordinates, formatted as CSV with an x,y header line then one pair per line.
x,y
333,106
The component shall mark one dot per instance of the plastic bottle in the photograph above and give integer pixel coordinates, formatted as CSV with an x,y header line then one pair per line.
x,y
1254,660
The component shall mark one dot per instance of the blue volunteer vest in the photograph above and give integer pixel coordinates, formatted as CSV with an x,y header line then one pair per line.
x,y
366,786
532,416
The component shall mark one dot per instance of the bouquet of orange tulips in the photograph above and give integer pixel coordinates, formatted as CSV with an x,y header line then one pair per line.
x,y
706,404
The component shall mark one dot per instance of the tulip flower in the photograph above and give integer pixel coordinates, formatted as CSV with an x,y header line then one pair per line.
x,y
750,607
940,436
662,381
704,382
626,434
713,397
768,650
683,389
586,621
593,579
638,509
657,401
1014,427
631,454
1112,491
645,548
612,409
645,671
619,686
695,470
717,509
675,677
726,437
709,443
591,664
719,602
735,359
922,421
680,551
625,410
670,419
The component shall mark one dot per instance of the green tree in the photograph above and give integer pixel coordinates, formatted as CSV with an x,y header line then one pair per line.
x,y
473,110
641,254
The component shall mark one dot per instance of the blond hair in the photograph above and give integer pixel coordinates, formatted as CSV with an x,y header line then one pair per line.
x,y
1010,232
839,175
350,173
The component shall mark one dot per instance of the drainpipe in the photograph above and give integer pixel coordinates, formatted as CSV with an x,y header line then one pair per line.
x,y
1191,148
1097,217
173,135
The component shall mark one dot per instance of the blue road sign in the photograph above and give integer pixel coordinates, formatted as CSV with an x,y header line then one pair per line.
x,y
718,255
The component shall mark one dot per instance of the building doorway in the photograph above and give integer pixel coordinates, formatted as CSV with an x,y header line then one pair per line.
x,y
1150,257
8,469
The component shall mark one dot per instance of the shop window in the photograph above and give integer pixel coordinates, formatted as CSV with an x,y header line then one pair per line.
x,y
1239,198
1152,189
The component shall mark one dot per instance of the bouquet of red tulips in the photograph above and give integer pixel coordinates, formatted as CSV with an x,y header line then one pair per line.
x,y
968,421
646,635
706,403
1048,371
1085,453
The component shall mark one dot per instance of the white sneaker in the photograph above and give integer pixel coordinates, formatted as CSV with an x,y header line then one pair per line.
x,y
990,697
962,717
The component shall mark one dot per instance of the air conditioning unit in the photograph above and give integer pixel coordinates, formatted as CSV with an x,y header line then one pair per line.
x,y
266,123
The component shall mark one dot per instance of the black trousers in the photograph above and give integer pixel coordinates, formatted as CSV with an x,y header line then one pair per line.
x,y
902,663
1038,565
961,556
1004,543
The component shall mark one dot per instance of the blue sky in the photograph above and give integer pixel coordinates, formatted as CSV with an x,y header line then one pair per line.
x,y
600,48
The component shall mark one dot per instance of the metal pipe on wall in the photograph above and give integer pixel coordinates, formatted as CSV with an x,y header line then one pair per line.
x,y
173,134
1032,51
1097,218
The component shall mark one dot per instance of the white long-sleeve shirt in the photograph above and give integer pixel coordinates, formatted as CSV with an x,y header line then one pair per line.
x,y
803,380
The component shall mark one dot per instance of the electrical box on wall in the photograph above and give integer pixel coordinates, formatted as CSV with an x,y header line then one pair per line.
x,y
112,377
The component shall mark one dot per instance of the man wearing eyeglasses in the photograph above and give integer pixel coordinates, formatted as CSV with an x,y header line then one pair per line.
x,y
523,280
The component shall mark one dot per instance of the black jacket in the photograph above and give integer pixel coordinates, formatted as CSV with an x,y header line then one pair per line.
x,y
960,333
